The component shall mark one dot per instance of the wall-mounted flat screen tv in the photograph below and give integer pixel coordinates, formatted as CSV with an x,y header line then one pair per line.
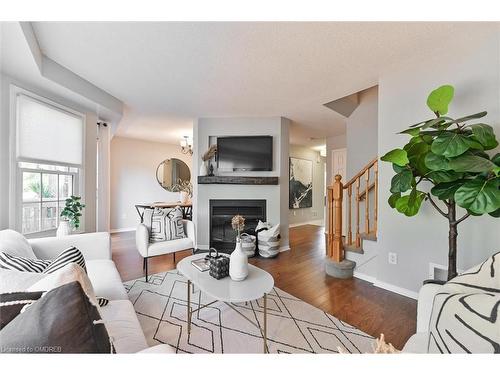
x,y
246,153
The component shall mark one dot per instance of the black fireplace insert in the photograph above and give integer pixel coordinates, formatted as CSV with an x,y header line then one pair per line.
x,y
222,235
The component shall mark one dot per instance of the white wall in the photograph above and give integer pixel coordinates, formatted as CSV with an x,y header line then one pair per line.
x,y
361,132
472,65
316,212
133,177
275,195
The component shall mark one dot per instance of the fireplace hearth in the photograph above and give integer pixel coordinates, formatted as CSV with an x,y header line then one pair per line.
x,y
222,235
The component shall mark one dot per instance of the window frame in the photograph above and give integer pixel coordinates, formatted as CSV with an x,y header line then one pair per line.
x,y
42,172
16,174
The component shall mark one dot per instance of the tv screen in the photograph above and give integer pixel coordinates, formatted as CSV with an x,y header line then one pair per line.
x,y
245,153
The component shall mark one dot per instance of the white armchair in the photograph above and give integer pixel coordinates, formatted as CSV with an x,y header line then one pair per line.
x,y
151,249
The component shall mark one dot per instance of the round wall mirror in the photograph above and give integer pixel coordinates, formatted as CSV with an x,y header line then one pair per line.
x,y
172,174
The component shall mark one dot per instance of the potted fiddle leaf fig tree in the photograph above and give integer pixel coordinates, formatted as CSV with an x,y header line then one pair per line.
x,y
450,154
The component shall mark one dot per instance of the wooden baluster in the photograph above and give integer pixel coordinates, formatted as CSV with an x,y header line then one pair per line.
x,y
338,248
367,201
349,215
375,212
358,239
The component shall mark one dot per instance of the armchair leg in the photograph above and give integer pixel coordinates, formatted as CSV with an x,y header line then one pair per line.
x,y
174,257
146,268
143,263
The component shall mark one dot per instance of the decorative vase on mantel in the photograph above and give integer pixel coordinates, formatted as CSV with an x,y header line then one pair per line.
x,y
238,263
64,228
203,168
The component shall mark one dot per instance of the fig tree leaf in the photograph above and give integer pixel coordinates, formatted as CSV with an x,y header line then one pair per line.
x,y
444,176
450,144
446,190
402,181
396,156
393,199
471,163
470,117
436,162
495,213
439,99
484,135
479,196
409,205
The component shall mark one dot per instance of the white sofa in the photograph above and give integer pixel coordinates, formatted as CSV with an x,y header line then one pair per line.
x,y
418,343
119,315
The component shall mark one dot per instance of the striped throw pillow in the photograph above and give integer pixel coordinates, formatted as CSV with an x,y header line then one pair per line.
x,y
18,263
70,255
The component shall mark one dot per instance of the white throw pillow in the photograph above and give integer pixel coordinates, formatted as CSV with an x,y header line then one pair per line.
x,y
17,281
67,274
14,243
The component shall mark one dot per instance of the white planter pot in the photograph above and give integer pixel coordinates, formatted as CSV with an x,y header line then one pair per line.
x,y
64,229
238,263
203,169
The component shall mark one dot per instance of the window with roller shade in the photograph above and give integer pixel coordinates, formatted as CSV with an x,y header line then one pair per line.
x,y
49,151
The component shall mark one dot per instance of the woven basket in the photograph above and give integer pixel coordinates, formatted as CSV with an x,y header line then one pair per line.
x,y
248,244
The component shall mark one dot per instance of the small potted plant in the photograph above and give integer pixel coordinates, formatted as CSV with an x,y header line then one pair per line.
x,y
238,263
70,216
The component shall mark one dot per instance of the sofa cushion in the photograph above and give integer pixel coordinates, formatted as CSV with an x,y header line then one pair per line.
x,y
14,243
62,321
167,247
11,304
105,279
17,281
123,327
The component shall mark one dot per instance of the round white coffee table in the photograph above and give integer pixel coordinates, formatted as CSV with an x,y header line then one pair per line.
x,y
257,285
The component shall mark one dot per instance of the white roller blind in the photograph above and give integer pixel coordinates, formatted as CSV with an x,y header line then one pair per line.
x,y
46,133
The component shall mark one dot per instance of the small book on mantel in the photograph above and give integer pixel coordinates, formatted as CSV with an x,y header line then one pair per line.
x,y
201,264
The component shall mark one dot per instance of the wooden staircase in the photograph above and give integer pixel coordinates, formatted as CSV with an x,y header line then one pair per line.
x,y
361,212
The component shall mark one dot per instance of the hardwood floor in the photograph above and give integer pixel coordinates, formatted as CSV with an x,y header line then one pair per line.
x,y
300,272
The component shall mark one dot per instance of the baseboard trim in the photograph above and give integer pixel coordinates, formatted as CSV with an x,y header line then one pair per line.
x,y
319,223
396,289
362,276
120,230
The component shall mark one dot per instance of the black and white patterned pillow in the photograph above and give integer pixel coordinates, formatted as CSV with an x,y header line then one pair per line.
x,y
466,312
18,263
70,255
164,224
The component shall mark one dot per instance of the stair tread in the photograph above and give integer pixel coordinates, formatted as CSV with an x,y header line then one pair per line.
x,y
352,248
369,236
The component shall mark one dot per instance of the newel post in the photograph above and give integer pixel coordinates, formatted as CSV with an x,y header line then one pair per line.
x,y
337,196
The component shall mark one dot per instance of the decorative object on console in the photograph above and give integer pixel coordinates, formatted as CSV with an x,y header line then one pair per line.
x,y
186,145
70,216
219,264
238,265
209,154
449,154
301,183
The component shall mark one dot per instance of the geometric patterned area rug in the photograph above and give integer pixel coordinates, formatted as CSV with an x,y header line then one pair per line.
x,y
293,326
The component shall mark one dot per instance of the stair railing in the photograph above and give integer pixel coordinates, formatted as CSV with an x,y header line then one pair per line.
x,y
335,199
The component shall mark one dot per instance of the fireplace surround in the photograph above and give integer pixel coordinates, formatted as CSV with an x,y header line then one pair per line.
x,y
222,235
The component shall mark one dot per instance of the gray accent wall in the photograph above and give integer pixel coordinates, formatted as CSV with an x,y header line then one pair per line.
x,y
403,91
